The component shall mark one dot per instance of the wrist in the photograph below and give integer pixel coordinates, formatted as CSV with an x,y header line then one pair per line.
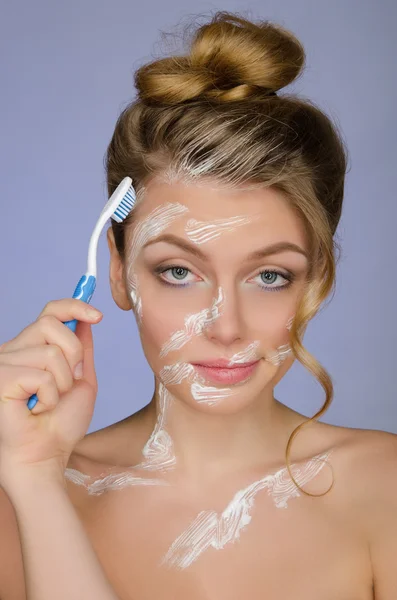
x,y
18,480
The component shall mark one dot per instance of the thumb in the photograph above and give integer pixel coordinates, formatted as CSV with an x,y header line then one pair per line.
x,y
84,333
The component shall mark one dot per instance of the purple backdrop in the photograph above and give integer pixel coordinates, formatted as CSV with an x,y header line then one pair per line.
x,y
66,73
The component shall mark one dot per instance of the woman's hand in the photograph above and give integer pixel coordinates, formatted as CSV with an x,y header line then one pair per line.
x,y
42,360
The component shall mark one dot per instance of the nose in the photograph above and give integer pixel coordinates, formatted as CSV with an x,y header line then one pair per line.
x,y
225,324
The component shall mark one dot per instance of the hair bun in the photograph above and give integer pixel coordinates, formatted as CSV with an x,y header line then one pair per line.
x,y
230,58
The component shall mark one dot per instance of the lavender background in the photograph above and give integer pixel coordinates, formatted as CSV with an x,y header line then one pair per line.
x,y
67,72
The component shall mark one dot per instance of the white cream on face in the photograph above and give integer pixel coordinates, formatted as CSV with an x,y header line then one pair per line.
x,y
279,355
212,529
211,395
202,393
206,394
156,222
176,373
200,232
194,325
289,322
247,355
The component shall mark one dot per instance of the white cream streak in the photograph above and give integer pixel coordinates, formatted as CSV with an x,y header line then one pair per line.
x,y
205,231
282,352
176,373
158,456
159,219
156,221
135,296
246,355
289,322
202,393
212,395
280,355
158,451
212,529
194,325
114,481
205,394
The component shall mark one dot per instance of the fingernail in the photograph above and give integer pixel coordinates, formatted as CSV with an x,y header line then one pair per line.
x,y
78,372
93,313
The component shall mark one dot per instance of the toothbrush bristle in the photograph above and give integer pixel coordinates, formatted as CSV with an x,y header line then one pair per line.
x,y
125,206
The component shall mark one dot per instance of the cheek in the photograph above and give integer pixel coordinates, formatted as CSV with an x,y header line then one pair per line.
x,y
165,308
162,317
270,316
157,326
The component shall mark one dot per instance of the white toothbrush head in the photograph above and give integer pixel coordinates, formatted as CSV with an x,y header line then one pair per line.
x,y
118,207
121,201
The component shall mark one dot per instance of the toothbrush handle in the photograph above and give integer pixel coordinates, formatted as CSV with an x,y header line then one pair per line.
x,y
84,290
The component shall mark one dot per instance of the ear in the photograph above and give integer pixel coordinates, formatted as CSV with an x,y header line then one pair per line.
x,y
116,275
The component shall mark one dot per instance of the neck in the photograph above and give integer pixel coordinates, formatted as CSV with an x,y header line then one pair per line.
x,y
206,444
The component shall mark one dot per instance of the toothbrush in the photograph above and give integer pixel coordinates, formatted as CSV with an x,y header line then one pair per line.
x,y
117,208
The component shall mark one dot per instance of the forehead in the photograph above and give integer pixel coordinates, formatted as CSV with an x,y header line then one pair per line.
x,y
268,213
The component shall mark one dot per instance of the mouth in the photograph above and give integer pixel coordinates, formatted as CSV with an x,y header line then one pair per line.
x,y
219,371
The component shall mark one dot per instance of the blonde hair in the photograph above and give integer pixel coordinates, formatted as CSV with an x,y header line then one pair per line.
x,y
208,115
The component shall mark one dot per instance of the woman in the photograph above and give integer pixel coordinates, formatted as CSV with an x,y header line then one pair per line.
x,y
225,258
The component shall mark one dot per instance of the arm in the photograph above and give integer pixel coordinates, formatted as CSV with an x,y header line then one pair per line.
x,y
59,561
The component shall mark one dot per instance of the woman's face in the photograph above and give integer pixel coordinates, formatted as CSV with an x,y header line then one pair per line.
x,y
206,286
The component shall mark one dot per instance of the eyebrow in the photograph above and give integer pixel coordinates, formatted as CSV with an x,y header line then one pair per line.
x,y
276,248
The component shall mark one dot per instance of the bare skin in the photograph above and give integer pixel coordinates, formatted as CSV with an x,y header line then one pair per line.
x,y
316,549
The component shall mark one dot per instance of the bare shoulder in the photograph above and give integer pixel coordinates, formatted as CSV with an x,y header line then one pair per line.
x,y
358,447
374,474
364,462
370,448
373,465
368,462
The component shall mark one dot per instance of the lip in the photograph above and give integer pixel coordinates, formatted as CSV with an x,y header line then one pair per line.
x,y
223,363
219,372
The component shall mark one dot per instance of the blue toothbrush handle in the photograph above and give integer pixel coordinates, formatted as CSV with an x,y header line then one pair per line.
x,y
84,290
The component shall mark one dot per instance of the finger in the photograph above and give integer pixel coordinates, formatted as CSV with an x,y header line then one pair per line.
x,y
84,334
63,310
48,358
18,383
49,330
66,309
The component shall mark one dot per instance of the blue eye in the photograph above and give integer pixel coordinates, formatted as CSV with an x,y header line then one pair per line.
x,y
177,272
273,276
269,277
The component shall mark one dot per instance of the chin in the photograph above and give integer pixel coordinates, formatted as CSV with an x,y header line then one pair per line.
x,y
217,400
